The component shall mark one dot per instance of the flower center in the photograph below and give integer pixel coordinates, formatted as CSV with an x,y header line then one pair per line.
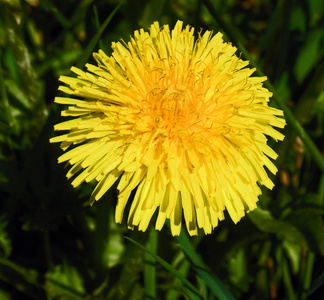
x,y
171,107
173,102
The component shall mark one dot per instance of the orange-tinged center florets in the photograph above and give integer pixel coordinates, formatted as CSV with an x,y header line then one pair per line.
x,y
172,108
180,121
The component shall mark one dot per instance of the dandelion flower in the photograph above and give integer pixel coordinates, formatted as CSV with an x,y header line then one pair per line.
x,y
180,122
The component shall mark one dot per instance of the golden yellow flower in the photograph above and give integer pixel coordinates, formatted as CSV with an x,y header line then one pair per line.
x,y
181,122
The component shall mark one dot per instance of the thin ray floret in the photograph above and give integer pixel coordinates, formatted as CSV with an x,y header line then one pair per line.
x,y
179,120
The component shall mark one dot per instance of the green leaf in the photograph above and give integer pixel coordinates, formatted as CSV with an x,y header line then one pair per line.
x,y
10,65
6,115
131,268
319,105
238,270
5,295
316,10
21,279
298,19
5,242
60,62
293,252
23,59
108,240
14,4
19,95
311,96
310,54
309,221
309,144
266,223
151,12
65,281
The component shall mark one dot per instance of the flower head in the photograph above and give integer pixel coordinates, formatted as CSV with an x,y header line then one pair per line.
x,y
180,122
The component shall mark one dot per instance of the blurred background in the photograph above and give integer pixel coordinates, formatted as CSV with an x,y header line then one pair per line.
x,y
53,245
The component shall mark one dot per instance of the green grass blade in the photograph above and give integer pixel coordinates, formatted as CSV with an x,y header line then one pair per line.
x,y
321,191
4,103
149,265
214,283
301,132
130,269
97,23
91,46
318,283
47,5
183,269
307,278
23,61
168,267
286,277
291,119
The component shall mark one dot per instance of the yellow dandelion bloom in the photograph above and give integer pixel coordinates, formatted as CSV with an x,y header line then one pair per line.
x,y
179,121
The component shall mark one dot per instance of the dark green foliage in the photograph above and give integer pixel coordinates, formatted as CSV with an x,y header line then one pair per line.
x,y
53,245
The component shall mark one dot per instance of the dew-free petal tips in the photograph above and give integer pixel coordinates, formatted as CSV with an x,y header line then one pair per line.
x,y
180,120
